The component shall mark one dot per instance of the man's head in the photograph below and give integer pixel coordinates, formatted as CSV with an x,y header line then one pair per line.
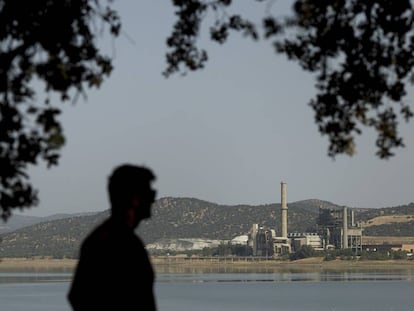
x,y
130,192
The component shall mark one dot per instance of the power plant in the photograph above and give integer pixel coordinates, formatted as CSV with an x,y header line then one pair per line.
x,y
336,230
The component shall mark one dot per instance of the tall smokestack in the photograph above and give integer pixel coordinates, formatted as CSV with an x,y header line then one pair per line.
x,y
284,210
352,219
345,229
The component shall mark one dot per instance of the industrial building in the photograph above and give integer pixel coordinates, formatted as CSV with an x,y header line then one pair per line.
x,y
307,238
264,241
336,230
261,241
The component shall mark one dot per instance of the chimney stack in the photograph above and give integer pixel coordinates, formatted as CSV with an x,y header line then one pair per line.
x,y
345,228
284,210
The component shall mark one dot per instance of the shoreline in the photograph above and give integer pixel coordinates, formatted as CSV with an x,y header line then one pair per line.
x,y
36,264
211,265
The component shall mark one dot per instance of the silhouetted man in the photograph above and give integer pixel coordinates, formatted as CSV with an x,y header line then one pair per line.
x,y
114,271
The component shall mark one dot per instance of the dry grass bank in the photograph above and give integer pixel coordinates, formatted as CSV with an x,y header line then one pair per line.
x,y
36,264
184,264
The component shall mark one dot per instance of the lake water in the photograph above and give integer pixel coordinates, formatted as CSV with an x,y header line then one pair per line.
x,y
233,291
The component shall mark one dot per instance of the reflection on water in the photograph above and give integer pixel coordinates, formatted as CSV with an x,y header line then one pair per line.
x,y
264,268
226,273
218,288
281,277
34,277
30,274
203,277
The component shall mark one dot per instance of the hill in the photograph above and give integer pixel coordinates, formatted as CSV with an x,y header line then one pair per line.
x,y
20,221
190,218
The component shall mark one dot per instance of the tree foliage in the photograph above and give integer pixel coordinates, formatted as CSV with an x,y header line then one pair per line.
x,y
66,60
362,53
305,251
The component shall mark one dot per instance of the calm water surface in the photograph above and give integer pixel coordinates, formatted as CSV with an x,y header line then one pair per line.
x,y
227,291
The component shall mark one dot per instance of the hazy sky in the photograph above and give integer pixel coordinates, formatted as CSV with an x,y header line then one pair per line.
x,y
228,134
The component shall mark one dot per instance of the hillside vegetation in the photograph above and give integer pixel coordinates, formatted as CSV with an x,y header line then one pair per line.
x,y
384,220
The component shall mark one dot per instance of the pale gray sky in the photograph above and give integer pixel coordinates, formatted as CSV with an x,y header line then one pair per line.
x,y
228,134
